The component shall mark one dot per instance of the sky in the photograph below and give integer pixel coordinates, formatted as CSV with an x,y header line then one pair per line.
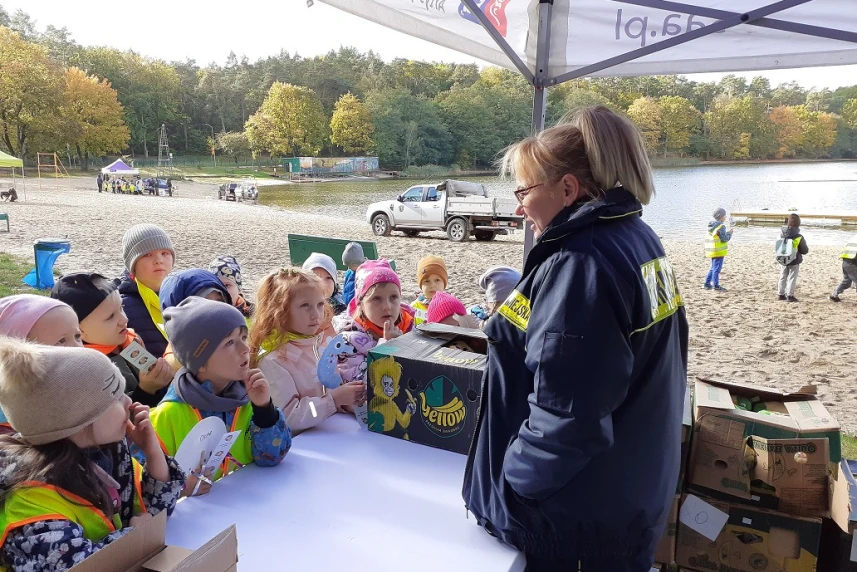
x,y
207,32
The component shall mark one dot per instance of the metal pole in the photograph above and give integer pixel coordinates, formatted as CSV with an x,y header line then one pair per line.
x,y
543,45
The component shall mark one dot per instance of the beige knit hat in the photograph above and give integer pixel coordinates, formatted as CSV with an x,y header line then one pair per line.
x,y
49,393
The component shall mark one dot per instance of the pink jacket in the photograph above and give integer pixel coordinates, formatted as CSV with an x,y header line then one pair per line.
x,y
292,372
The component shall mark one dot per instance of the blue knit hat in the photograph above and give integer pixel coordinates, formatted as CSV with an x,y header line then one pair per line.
x,y
197,326
179,285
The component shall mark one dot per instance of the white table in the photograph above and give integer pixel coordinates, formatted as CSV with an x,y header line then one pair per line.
x,y
347,499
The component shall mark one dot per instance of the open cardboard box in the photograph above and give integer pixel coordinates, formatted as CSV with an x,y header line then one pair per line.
x,y
425,386
781,461
143,549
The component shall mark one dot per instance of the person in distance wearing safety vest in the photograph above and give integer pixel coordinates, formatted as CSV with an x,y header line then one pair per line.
x,y
849,268
716,248
68,484
790,264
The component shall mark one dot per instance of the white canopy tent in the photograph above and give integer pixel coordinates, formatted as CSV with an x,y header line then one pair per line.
x,y
553,41
120,168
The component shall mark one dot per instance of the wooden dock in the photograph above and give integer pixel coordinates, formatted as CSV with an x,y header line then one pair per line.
x,y
843,218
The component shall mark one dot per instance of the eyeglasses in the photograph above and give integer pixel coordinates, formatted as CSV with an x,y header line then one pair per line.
x,y
522,193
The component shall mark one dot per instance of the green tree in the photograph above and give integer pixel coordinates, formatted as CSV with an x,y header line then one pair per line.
x,y
234,144
740,128
679,120
819,131
789,131
22,23
291,121
4,17
92,117
351,125
646,115
849,113
31,90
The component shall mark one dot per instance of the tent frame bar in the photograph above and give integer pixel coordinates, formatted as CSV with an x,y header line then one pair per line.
x,y
724,24
498,39
794,27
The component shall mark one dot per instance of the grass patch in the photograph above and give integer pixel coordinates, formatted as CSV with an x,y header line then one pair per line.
x,y
849,446
12,270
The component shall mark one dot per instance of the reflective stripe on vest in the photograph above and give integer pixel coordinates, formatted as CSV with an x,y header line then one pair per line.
x,y
714,247
37,501
850,251
173,420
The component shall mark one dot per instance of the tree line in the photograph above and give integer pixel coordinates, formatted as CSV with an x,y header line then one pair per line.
x,y
56,95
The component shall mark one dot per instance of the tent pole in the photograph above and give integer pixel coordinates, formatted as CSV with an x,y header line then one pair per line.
x,y
543,45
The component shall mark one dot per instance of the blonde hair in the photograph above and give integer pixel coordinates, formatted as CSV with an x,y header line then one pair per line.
x,y
598,147
273,298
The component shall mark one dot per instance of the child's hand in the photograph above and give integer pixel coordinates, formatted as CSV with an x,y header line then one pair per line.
x,y
350,394
139,519
140,430
196,486
157,377
257,388
391,331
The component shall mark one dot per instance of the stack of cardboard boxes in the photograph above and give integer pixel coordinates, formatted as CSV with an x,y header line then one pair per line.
x,y
763,487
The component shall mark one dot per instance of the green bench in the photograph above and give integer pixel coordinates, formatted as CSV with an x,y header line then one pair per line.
x,y
4,216
301,246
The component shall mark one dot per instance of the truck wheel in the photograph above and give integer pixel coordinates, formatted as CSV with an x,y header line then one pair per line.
x,y
458,230
484,235
411,232
381,225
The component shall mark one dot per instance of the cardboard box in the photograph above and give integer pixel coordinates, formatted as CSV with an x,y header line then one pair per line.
x,y
425,386
143,549
751,539
726,464
838,538
665,554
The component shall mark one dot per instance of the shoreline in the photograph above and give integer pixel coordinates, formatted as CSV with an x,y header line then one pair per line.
x,y
743,335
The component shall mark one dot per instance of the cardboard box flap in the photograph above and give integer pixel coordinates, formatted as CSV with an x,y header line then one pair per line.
x,y
748,389
217,555
811,415
687,417
442,330
710,395
167,559
138,545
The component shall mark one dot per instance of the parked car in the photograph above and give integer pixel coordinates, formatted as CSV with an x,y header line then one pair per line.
x,y
457,207
246,190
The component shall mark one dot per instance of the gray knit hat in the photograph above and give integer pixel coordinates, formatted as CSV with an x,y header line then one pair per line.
x,y
197,326
50,393
353,254
719,212
498,282
319,260
142,239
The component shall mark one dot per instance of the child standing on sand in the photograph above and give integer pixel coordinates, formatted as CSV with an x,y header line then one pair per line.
x,y
790,257
716,248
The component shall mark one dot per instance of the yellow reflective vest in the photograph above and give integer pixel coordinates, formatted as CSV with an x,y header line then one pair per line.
x,y
420,312
850,251
714,247
173,420
36,501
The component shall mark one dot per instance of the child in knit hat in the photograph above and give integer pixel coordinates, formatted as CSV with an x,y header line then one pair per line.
x,y
287,338
228,270
210,341
432,277
38,319
104,328
352,258
498,283
446,309
149,257
324,267
68,484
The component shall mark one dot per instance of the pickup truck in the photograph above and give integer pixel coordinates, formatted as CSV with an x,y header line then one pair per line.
x,y
457,207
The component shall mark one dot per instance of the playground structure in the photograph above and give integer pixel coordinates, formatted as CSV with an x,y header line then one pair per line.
x,y
50,162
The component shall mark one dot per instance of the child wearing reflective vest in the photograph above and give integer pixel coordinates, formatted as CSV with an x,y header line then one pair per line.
x,y
210,341
716,248
849,268
789,269
68,485
432,277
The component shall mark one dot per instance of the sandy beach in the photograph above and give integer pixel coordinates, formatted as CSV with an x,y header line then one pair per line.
x,y
743,335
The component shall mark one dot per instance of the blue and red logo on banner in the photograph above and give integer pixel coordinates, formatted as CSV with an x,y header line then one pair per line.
x,y
494,9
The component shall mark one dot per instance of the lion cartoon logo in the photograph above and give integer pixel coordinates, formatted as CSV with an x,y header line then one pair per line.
x,y
385,375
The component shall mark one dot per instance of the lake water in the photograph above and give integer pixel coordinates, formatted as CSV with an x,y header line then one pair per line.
x,y
686,197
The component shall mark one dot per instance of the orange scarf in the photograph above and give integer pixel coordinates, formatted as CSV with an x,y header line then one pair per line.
x,y
131,336
404,323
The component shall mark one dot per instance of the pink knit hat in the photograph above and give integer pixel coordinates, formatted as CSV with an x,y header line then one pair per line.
x,y
19,313
370,273
444,305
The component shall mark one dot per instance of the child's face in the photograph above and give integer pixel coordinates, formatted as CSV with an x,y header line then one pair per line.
x,y
432,284
354,267
107,325
153,267
232,288
57,327
306,310
382,303
110,426
329,282
230,361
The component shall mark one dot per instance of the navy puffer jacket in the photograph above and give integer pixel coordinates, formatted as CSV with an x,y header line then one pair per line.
x,y
138,316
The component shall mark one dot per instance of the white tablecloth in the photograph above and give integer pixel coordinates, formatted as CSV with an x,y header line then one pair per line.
x,y
347,499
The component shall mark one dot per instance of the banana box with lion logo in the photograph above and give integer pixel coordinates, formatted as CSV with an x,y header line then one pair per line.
x,y
425,386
